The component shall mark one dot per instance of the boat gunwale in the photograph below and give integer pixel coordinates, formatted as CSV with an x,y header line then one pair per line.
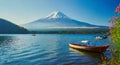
x,y
98,49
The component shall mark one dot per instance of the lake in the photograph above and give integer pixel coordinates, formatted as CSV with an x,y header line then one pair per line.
x,y
49,49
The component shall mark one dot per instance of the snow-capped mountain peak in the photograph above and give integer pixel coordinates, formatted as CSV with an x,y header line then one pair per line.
x,y
57,14
57,21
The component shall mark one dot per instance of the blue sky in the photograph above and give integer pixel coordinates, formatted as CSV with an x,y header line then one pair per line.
x,y
90,11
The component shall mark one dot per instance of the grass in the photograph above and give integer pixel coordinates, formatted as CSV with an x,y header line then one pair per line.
x,y
115,37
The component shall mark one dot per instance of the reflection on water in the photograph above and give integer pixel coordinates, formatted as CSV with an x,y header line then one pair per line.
x,y
47,49
100,57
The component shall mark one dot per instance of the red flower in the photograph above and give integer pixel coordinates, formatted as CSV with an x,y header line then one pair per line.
x,y
114,19
118,9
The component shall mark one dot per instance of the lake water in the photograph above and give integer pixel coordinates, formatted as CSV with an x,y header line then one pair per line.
x,y
48,49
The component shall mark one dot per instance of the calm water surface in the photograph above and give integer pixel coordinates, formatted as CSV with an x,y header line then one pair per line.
x,y
48,49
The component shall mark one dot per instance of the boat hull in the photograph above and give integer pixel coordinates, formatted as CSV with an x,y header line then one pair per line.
x,y
99,49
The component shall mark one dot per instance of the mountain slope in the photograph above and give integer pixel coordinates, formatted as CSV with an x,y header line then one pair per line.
x,y
7,27
59,21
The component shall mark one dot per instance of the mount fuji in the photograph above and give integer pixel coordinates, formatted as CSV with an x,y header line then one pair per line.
x,y
57,21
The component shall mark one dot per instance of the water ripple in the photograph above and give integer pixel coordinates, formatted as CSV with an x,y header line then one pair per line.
x,y
45,50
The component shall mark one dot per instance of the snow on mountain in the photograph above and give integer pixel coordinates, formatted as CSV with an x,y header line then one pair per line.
x,y
56,14
58,20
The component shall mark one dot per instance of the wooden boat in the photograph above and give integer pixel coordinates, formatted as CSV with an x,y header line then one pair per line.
x,y
91,54
98,49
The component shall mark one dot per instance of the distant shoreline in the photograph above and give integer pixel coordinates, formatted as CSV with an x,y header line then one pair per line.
x,y
70,32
